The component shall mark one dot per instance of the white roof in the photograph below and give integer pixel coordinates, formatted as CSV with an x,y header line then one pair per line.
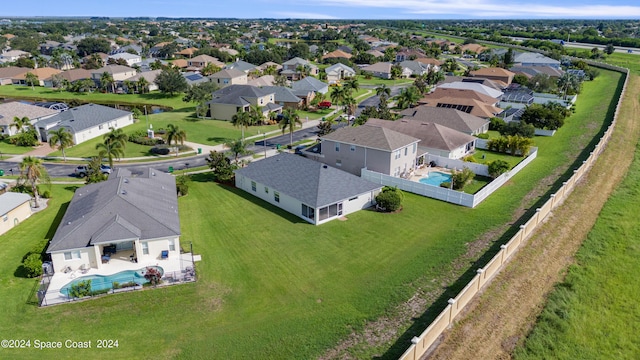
x,y
11,200
482,89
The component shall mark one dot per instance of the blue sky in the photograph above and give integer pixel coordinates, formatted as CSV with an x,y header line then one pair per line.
x,y
331,9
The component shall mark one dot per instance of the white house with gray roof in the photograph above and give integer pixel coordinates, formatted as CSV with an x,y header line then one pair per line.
x,y
124,221
85,122
232,99
311,190
373,147
14,209
10,110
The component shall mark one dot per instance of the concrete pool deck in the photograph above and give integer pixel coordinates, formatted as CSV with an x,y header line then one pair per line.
x,y
424,171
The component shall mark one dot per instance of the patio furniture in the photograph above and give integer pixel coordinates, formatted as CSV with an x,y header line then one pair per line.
x,y
164,254
109,249
105,259
84,268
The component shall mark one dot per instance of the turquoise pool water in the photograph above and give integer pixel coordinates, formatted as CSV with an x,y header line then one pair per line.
x,y
435,178
100,282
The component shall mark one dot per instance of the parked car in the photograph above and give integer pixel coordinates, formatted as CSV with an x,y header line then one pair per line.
x,y
83,170
324,105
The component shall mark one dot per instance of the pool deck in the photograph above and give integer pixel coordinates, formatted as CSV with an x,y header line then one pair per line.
x,y
424,171
173,267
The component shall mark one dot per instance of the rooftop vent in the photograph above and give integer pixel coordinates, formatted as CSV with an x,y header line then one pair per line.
x,y
124,192
126,181
324,166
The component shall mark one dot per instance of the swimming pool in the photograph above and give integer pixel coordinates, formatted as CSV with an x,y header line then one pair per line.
x,y
435,178
101,282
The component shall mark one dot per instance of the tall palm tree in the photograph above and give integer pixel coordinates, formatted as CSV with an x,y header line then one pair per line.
x,y
237,147
289,120
110,151
256,114
338,94
383,90
20,122
33,171
175,134
106,80
241,119
352,84
116,136
407,97
62,139
350,103
142,85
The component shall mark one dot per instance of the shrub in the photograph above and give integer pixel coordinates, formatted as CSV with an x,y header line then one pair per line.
x,y
99,292
45,194
81,289
182,185
518,128
27,138
160,150
496,124
152,275
483,136
497,168
461,178
469,158
33,265
390,199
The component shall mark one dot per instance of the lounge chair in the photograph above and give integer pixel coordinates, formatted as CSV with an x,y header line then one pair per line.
x,y
164,254
84,268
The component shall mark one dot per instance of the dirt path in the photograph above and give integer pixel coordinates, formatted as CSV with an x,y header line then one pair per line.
x,y
501,317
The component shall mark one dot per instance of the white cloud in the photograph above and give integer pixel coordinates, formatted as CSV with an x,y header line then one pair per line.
x,y
492,8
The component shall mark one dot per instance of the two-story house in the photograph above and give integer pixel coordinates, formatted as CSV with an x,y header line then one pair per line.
x,y
372,147
228,77
296,68
232,99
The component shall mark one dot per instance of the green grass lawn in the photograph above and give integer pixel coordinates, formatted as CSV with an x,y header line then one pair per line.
x,y
7,148
485,156
379,82
270,285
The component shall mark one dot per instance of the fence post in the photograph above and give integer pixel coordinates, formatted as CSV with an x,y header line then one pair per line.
x,y
451,302
480,278
522,233
553,201
504,250
538,216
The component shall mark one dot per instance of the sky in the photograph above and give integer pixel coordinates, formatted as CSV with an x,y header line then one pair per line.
x,y
331,9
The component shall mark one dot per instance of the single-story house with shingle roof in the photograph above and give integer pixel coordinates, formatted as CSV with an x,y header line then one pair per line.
x,y
85,122
13,109
373,147
71,76
309,84
383,70
41,73
434,138
243,66
124,223
284,97
451,118
14,209
8,73
338,71
311,190
150,76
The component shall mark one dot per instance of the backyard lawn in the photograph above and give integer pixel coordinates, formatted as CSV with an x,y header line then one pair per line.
x,y
8,148
271,285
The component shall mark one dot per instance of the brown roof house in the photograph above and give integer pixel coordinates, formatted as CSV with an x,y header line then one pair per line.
x,y
337,54
41,73
8,73
228,77
451,118
434,139
13,109
71,76
494,73
465,104
201,61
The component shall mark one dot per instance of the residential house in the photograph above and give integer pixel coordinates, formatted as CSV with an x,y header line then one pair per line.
x,y
373,147
228,77
187,53
71,76
534,59
308,87
48,47
337,72
124,223
479,88
118,72
383,70
131,59
504,76
243,66
13,55
228,50
417,68
129,48
41,73
194,78
337,54
285,97
472,48
101,55
8,73
200,61
181,64
150,76
13,109
264,80
277,67
375,53
434,139
466,104
451,118
531,71
14,209
232,99
409,54
292,69
85,122
308,189
433,63
483,81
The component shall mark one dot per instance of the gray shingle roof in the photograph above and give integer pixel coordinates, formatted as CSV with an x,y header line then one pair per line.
x,y
373,137
242,66
11,200
312,183
235,94
451,118
121,208
228,74
309,84
84,117
282,93
431,135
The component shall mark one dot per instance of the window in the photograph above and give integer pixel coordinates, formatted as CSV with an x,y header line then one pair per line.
x,y
71,255
337,146
99,127
266,189
261,101
276,196
406,151
338,163
145,248
5,217
353,148
172,245
253,185
308,212
397,154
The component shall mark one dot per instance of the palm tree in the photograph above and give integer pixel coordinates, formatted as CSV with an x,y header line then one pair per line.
x,y
106,79
128,84
237,147
256,114
175,134
352,84
31,79
289,120
62,139
116,136
407,97
383,91
350,104
241,119
20,123
113,145
32,170
338,94
142,85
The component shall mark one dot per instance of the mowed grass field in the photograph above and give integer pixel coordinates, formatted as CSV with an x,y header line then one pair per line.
x,y
594,312
271,285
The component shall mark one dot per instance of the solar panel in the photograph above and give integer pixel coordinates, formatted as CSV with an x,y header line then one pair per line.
x,y
194,77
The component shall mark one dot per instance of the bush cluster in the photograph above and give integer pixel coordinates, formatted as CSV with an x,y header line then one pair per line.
x,y
390,199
